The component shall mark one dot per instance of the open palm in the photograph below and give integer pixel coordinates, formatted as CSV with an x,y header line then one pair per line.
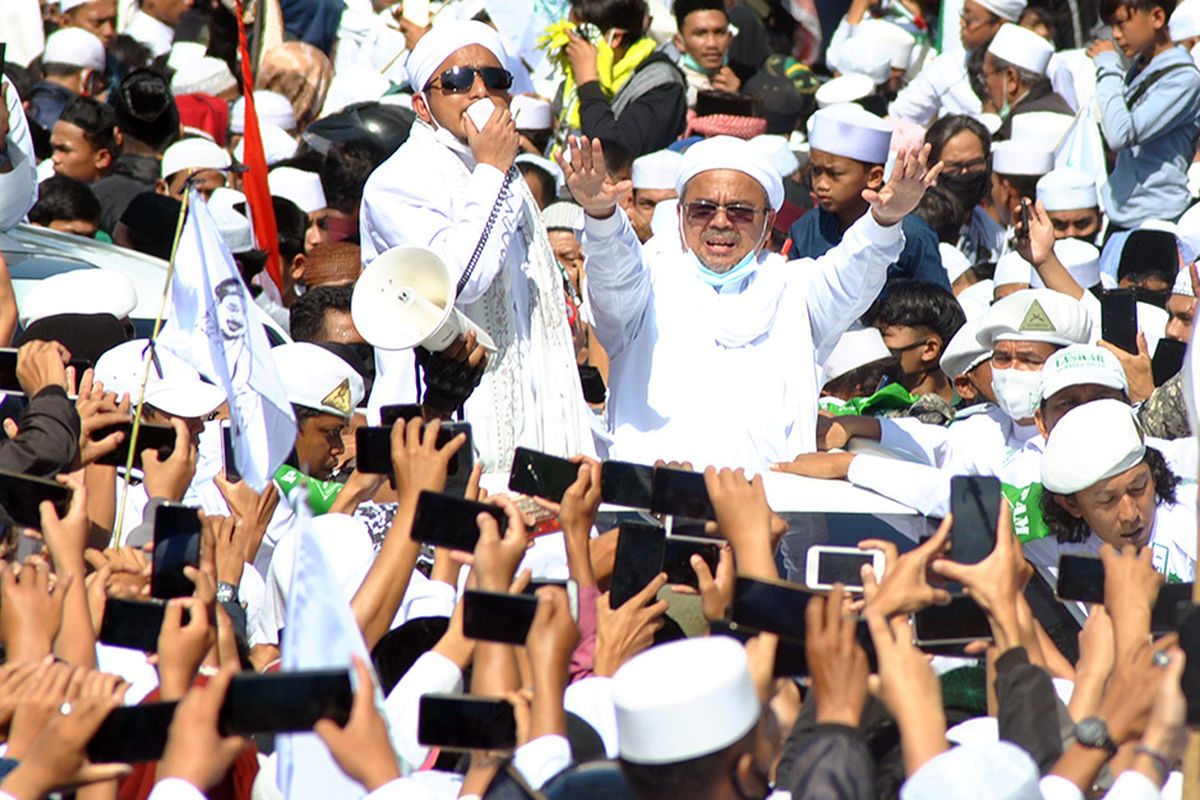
x,y
911,176
588,178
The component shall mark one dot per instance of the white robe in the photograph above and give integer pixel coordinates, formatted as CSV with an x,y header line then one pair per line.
x,y
18,187
941,87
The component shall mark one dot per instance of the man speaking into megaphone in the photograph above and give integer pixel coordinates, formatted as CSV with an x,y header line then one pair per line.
x,y
473,256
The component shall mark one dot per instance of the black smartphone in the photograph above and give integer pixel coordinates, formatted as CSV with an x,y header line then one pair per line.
x,y
228,458
1164,616
592,381
681,493
176,545
959,622
447,521
130,734
1023,234
1118,319
498,616
285,702
626,484
20,496
638,560
405,411
1080,578
132,623
774,606
160,438
1168,360
791,660
8,371
541,474
975,504
677,559
373,449
1189,642
466,722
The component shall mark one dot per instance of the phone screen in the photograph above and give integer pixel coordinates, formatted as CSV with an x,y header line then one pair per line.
x,y
498,617
681,493
1168,360
625,484
464,722
1118,319
8,371
405,411
541,475
448,521
638,559
774,606
160,438
1080,578
957,623
791,660
20,496
1189,642
130,734
843,568
373,450
975,504
281,702
228,458
677,559
132,623
176,545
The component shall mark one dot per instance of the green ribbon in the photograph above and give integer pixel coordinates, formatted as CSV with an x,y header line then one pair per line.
x,y
892,396
321,494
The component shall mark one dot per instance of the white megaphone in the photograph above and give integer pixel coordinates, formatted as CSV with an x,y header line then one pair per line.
x,y
405,298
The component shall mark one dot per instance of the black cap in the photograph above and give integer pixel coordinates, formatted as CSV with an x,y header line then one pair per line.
x,y
146,108
86,336
1148,251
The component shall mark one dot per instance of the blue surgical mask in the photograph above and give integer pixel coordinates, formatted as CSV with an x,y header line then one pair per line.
x,y
719,280
692,64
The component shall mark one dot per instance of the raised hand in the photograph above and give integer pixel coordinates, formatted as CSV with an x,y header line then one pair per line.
x,y
624,632
911,176
905,588
417,462
196,752
362,748
588,179
837,662
496,556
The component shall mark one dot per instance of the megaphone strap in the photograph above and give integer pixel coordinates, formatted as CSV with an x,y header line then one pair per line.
x,y
505,191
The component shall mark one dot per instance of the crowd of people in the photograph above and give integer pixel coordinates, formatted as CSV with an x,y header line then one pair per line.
x,y
906,246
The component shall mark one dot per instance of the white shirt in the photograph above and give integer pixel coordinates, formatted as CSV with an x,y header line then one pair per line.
x,y
154,33
18,187
941,87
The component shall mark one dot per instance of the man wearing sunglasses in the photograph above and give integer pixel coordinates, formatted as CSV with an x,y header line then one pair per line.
x,y
452,187
721,323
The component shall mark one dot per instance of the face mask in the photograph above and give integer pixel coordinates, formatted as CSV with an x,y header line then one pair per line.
x,y
1017,391
718,280
970,188
444,135
694,65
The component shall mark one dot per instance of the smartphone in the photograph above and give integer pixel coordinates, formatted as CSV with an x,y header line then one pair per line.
x,y
1025,225
568,585
791,660
20,496
130,734
959,622
466,722
1168,360
228,461
176,545
975,504
1165,615
677,559
480,112
405,411
416,12
1080,578
132,623
160,438
1189,642
284,702
592,382
541,474
625,484
1118,319
373,450
447,521
638,560
497,616
826,565
681,494
770,605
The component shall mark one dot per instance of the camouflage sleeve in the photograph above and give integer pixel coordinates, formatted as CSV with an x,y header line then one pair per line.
x,y
1164,415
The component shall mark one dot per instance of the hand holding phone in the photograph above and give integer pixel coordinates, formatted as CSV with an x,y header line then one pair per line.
x,y
826,565
466,722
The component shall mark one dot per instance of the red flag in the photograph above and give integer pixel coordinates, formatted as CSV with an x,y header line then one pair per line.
x,y
254,180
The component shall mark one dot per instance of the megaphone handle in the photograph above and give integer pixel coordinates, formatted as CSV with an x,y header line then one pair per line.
x,y
505,191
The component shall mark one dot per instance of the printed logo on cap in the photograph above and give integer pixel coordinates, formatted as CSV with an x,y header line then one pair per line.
x,y
1037,320
339,398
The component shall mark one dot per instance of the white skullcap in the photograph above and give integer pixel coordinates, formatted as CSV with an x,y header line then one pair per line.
x,y
665,219
1011,268
302,188
270,107
954,261
76,47
669,711
1044,127
867,58
1091,443
173,385
976,299
80,291
531,113
233,225
355,83
206,75
1081,259
1185,21
278,145
729,152
657,170
775,148
844,89
977,771
1079,365
1022,48
856,348
184,52
443,41
194,154
851,131
1010,10
563,217
315,378
896,42
1067,189
1022,158
964,352
1183,283
560,180
1036,315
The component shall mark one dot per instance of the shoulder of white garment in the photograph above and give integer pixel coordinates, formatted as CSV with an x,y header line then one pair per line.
x,y
175,789
542,758
1056,787
1133,785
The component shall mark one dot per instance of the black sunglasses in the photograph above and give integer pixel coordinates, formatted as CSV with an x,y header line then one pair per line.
x,y
702,212
457,80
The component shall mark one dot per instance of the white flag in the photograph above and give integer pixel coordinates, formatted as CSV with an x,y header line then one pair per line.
x,y
1082,148
214,328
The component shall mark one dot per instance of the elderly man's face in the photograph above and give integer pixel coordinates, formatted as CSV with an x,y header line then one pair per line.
x,y
725,216
447,107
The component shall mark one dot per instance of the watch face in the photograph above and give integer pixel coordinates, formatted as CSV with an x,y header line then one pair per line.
x,y
1091,732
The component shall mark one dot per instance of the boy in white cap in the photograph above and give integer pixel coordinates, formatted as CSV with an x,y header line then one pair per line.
x,y
849,147
654,177
968,365
1016,168
1069,197
1014,73
98,17
856,368
1150,114
534,121
324,391
1181,308
198,160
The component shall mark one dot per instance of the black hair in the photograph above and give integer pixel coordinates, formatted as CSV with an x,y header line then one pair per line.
x,y
628,15
864,380
541,139
950,126
682,8
59,69
919,305
97,121
943,211
151,219
227,287
1069,529
985,270
146,109
695,777
1045,17
548,191
1026,185
617,158
63,198
303,414
291,223
307,315
344,173
1109,8
126,54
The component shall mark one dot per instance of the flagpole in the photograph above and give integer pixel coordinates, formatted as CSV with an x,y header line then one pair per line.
x,y
141,400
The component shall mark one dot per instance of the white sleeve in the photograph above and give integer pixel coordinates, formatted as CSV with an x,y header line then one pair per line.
x,y
1132,785
175,789
911,436
618,285
431,673
18,187
920,487
541,759
1056,787
920,100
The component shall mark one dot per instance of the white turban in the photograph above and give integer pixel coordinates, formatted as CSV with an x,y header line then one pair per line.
x,y
729,152
443,41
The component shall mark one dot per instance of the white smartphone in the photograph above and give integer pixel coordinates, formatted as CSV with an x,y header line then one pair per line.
x,y
827,565
481,111
416,12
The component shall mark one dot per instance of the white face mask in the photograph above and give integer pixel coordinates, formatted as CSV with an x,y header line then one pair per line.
x,y
1017,391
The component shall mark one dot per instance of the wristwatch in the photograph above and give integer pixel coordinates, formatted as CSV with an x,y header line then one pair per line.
x,y
226,592
1092,732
